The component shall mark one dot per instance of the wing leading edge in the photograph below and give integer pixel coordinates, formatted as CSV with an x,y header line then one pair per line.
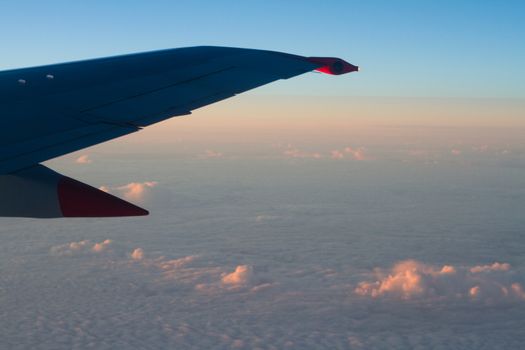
x,y
53,110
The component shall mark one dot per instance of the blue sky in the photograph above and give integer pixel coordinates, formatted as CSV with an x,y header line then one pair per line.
x,y
406,48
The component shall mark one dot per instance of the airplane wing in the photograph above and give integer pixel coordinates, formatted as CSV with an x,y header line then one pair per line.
x,y
53,110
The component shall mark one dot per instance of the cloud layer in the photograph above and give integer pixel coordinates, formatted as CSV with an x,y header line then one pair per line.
x,y
262,255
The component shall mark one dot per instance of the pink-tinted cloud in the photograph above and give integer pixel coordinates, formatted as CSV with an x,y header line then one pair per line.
x,y
294,152
345,153
411,279
241,276
173,264
356,153
102,246
134,191
137,254
83,159
487,268
80,247
517,289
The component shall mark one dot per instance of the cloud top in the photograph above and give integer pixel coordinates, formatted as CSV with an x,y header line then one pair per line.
x,y
241,276
83,159
81,247
133,191
411,279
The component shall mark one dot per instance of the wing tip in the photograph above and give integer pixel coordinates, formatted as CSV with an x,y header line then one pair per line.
x,y
332,65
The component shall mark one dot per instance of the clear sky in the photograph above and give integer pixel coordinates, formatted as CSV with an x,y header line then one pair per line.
x,y
405,48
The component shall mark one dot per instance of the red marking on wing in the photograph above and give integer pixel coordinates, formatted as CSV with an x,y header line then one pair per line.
x,y
333,65
80,200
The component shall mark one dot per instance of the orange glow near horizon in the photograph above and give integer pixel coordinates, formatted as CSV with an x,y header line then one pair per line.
x,y
249,123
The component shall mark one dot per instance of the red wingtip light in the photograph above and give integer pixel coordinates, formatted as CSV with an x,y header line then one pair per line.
x,y
80,200
332,65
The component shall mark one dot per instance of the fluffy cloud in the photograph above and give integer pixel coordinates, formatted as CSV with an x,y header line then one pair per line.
x,y
174,264
80,247
487,268
241,276
102,246
83,159
165,273
134,191
137,254
415,280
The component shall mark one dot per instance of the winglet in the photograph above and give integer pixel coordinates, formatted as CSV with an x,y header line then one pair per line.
x,y
80,200
333,65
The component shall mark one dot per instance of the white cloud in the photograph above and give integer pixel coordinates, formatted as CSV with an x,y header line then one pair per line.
x,y
80,247
411,279
102,246
241,279
137,254
241,276
173,264
83,159
134,191
487,268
